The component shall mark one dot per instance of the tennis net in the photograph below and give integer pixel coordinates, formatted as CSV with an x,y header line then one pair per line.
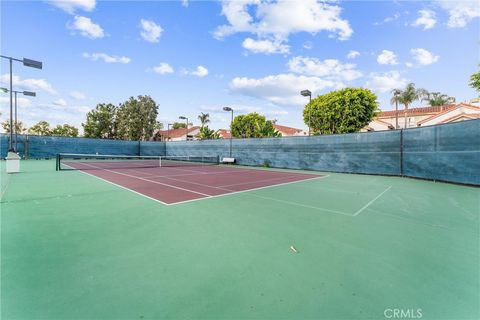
x,y
71,161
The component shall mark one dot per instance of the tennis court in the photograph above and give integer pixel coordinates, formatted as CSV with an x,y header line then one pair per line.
x,y
85,244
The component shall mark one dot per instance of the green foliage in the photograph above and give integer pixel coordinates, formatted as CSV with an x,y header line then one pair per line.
x,y
20,128
65,131
437,99
42,128
475,81
204,119
178,125
253,125
101,122
408,95
207,134
137,118
343,111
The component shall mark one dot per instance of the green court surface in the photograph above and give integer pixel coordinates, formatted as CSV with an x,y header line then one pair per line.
x,y
76,247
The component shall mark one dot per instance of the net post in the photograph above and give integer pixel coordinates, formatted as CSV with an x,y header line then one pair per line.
x,y
160,161
57,162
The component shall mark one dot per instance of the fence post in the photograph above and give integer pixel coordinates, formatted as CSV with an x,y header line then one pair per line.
x,y
401,152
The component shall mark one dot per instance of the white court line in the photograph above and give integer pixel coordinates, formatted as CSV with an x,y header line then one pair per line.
x,y
117,185
370,202
264,180
259,188
152,181
190,174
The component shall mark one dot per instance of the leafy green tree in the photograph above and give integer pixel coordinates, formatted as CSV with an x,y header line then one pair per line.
x,y
178,125
42,128
253,125
207,134
342,111
137,118
475,81
101,122
437,99
20,127
65,131
204,119
408,95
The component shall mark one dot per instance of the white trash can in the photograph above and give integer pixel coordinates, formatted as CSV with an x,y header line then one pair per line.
x,y
13,162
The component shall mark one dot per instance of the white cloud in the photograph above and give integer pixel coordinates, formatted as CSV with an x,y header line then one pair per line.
x,y
352,54
106,58
200,72
384,82
427,19
151,31
77,95
409,64
329,69
21,102
308,45
265,46
282,89
70,6
387,57
276,112
277,20
87,28
388,19
163,68
185,3
423,57
28,84
460,12
60,102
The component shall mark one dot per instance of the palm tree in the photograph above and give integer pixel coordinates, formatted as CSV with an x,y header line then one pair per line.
x,y
204,119
438,99
395,100
408,95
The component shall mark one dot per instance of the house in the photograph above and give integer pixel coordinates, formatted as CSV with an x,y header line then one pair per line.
x,y
224,133
289,131
179,134
424,116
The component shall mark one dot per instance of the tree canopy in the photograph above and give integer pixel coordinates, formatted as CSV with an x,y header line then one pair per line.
x,y
42,128
342,111
437,99
101,122
20,128
65,131
253,125
137,118
178,125
475,81
204,119
207,134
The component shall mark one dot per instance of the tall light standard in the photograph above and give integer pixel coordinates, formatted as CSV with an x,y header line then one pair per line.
x,y
28,63
231,123
25,93
168,131
307,93
186,133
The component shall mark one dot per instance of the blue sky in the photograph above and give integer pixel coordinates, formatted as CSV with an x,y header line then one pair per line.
x,y
199,56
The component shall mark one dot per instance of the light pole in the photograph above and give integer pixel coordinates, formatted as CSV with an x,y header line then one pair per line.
x,y
307,93
168,131
25,93
231,123
28,63
186,128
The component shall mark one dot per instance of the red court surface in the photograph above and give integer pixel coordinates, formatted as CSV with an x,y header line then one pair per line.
x,y
173,185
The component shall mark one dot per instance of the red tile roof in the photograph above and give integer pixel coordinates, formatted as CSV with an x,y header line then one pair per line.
x,y
224,133
177,133
469,106
287,130
417,111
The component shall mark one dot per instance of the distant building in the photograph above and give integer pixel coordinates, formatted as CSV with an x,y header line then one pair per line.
x,y
224,133
425,116
179,134
284,131
289,131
